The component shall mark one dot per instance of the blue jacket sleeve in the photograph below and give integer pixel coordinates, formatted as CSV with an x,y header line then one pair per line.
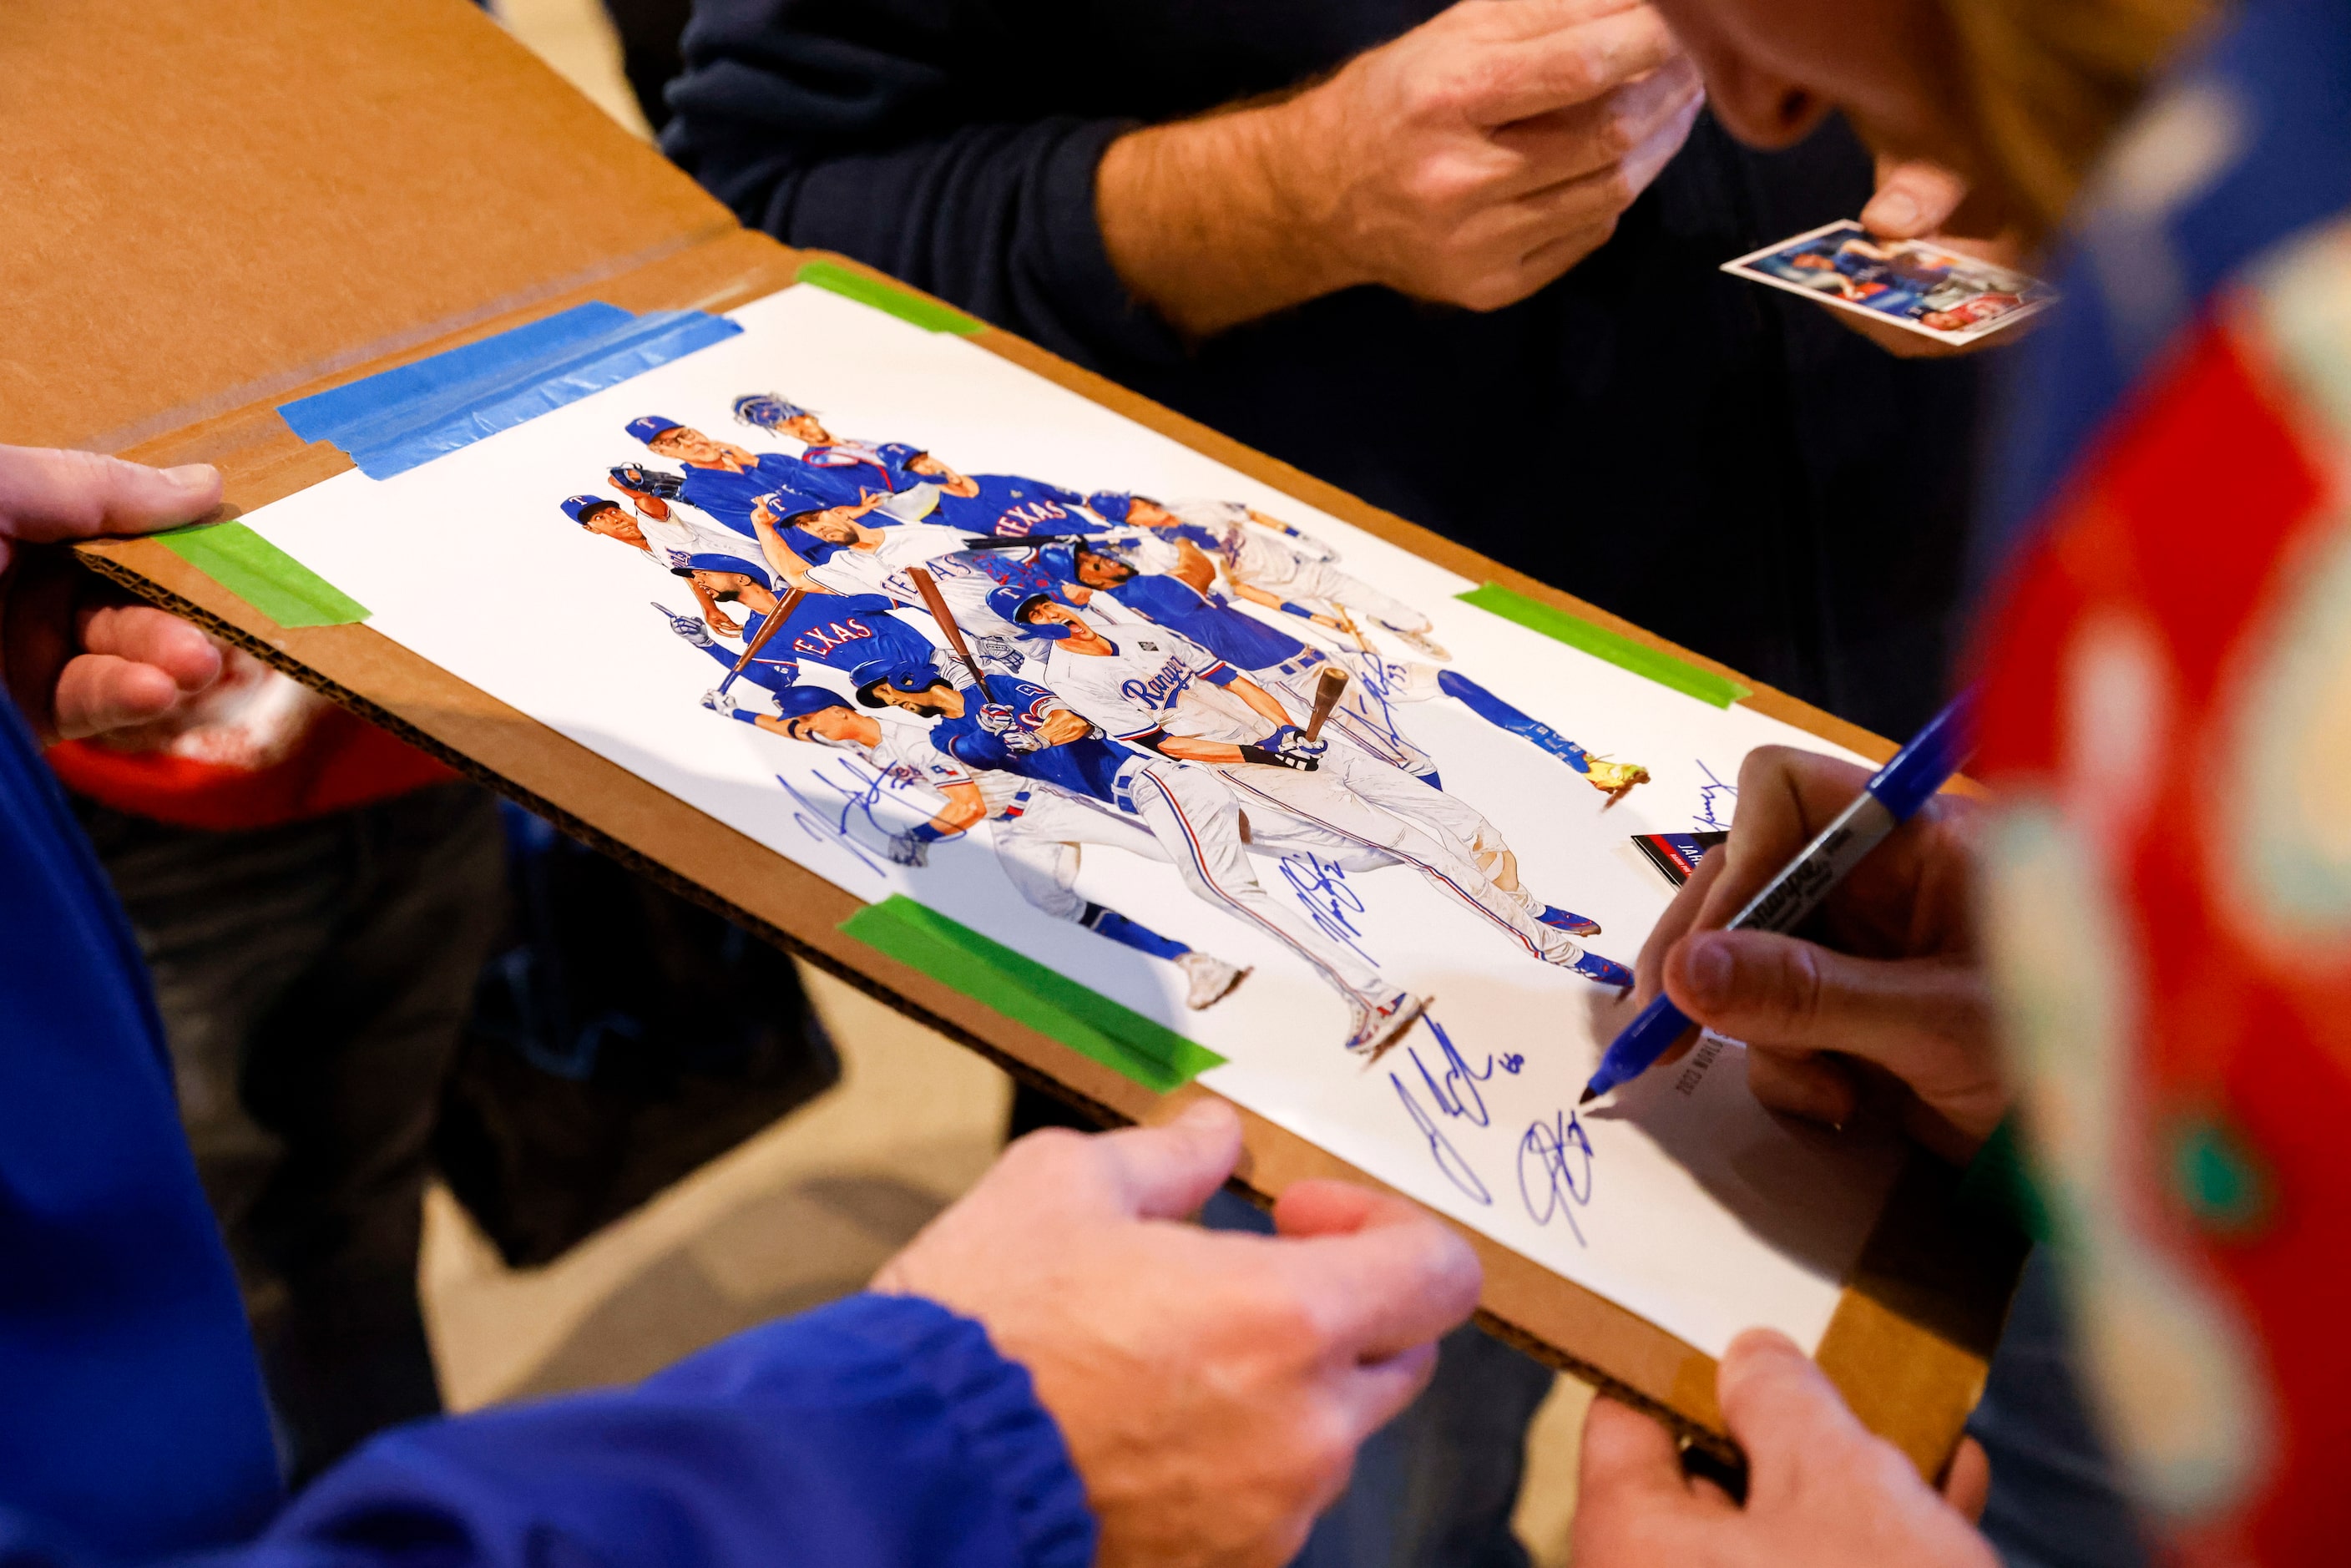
x,y
879,129
877,1431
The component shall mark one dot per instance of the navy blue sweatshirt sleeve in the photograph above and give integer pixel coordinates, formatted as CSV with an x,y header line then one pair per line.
x,y
877,1432
893,132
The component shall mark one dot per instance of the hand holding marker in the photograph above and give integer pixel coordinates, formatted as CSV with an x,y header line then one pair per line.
x,y
1884,803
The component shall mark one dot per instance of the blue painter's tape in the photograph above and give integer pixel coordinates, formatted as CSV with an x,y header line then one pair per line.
x,y
402,418
335,415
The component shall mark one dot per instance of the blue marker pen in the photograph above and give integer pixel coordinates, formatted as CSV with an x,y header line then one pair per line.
x,y
1884,803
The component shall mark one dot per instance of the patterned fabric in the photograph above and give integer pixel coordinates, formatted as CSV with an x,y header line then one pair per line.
x,y
2166,672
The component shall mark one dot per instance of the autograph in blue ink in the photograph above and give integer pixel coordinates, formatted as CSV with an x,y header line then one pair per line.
x,y
1456,1095
1561,1184
852,800
1440,1147
1374,679
1512,1063
1709,793
1330,899
1457,1092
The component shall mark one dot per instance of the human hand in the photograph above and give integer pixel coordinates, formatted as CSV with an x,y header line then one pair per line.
x,y
251,717
80,657
1822,1492
685,626
1470,162
1212,1387
1895,986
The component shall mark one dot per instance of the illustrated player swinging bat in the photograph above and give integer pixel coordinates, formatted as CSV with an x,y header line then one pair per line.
x,y
782,612
937,605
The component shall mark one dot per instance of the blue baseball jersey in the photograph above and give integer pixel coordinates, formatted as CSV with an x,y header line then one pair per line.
x,y
1090,768
1009,507
831,629
729,496
1240,639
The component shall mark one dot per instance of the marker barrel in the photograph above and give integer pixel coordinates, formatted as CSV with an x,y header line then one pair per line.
x,y
1634,1050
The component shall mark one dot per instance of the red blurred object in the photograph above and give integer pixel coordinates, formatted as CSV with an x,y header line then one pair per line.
x,y
340,762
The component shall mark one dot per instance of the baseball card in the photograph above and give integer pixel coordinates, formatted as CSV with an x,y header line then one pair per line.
x,y
1912,283
1269,781
1675,855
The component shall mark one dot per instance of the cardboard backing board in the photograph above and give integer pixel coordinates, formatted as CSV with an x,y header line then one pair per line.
x,y
392,180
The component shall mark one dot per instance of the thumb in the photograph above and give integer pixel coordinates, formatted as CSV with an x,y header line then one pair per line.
x,y
1783,1410
1168,1172
47,495
1914,199
1632,1504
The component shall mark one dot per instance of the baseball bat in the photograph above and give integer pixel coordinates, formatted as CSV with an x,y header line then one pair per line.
x,y
1334,681
937,606
1022,542
784,607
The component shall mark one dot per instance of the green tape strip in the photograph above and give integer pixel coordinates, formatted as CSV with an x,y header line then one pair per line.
x,y
928,314
263,575
1601,644
1027,992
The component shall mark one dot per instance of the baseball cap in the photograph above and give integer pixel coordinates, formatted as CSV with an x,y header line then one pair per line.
x,y
799,702
1059,559
714,560
808,547
1109,505
577,507
1013,601
784,503
905,675
647,426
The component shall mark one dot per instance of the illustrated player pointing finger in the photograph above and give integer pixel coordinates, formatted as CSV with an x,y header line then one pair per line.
x,y
1038,831
1156,687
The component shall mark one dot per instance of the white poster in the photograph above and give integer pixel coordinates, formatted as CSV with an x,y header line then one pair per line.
x,y
1404,952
